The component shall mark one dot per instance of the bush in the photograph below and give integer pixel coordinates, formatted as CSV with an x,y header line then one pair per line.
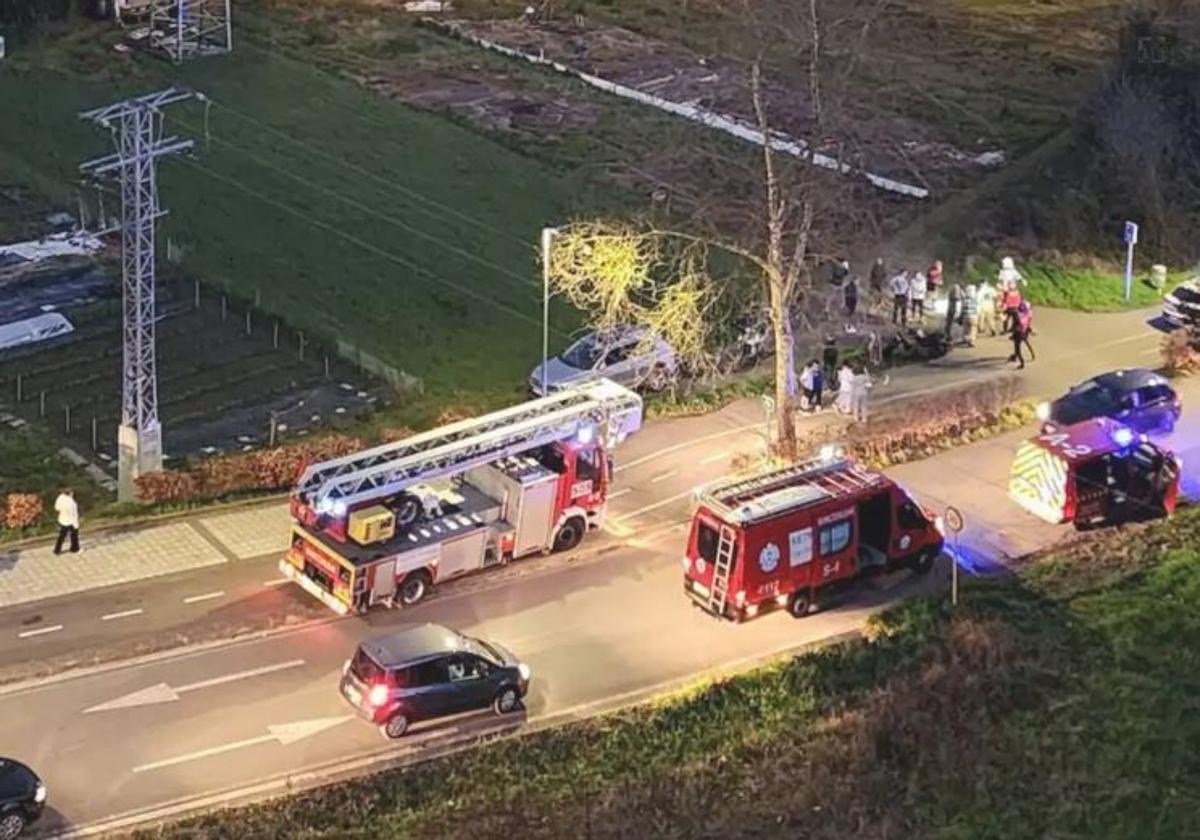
x,y
263,470
1179,354
21,510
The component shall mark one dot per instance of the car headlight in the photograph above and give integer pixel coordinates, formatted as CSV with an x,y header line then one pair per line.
x,y
523,670
39,795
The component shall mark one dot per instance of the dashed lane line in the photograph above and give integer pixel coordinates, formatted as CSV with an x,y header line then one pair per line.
x,y
122,614
282,581
618,494
41,631
207,596
663,476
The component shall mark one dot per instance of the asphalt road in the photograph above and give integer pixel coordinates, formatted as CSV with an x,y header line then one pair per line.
x,y
593,631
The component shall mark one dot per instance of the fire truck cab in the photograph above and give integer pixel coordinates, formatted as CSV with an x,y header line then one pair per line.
x,y
386,524
1095,472
790,537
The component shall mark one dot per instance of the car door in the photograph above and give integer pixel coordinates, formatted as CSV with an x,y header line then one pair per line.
x,y
1131,412
469,678
618,366
1159,406
429,693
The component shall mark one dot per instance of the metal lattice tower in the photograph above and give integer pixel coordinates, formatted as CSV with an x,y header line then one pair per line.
x,y
137,126
186,29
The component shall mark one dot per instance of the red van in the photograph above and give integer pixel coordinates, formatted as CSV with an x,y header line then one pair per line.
x,y
791,536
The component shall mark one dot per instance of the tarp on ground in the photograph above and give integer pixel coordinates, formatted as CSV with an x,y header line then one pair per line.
x,y
32,330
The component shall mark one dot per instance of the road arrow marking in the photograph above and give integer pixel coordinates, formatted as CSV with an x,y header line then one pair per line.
x,y
163,693
282,733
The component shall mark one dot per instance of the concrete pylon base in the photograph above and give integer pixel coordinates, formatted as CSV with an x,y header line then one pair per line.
x,y
138,453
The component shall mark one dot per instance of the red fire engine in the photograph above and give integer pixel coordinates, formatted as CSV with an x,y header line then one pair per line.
x,y
386,524
791,536
1094,472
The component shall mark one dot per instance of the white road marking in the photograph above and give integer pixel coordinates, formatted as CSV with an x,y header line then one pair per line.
x,y
653,507
41,631
207,596
283,734
282,581
712,459
685,444
619,493
663,476
123,614
163,693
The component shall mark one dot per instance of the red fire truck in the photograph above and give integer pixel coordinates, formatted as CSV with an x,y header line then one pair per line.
x,y
792,536
1094,472
386,524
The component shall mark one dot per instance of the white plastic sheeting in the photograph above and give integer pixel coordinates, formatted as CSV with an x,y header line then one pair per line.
x,y
722,122
31,330
54,245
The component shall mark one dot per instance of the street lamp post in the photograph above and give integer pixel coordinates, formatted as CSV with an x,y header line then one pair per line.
x,y
548,234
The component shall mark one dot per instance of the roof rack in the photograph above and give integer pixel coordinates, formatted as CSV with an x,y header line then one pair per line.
x,y
750,499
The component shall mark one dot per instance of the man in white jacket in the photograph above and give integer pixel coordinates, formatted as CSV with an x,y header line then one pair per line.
x,y
916,296
68,520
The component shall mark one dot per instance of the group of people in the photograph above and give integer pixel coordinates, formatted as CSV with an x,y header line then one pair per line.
x,y
853,385
909,290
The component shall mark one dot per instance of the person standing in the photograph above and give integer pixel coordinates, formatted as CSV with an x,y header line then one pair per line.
x,y
898,286
68,520
806,386
845,397
935,277
953,310
1010,302
1019,331
850,298
840,271
878,276
1008,274
818,385
917,286
985,297
970,312
829,357
860,385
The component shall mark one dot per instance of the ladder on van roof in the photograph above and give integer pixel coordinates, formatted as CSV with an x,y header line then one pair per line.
x,y
718,595
749,499
610,411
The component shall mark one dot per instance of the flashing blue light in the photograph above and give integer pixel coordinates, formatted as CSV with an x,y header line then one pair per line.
x,y
338,509
1122,436
585,434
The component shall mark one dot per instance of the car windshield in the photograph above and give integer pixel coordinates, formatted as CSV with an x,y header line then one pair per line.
x,y
1083,403
583,354
365,668
487,651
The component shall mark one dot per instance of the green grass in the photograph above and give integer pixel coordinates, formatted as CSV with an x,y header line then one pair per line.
x,y
1084,289
1058,702
31,464
351,216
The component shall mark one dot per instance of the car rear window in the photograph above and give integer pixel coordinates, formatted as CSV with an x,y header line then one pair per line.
x,y
706,542
1083,403
1187,294
366,668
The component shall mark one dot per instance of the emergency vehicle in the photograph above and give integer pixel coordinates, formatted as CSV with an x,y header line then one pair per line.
x,y
791,536
1093,472
386,524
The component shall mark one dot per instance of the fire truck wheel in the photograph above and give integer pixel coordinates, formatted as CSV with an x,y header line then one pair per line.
x,y
799,604
394,727
414,587
507,701
569,535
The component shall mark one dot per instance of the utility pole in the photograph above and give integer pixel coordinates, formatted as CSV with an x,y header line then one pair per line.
x,y
186,29
548,234
137,127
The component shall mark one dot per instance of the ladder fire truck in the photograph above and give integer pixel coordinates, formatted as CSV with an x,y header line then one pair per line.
x,y
386,524
792,536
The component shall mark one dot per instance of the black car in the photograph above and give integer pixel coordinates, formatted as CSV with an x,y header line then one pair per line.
x,y
429,672
1139,398
1181,306
22,798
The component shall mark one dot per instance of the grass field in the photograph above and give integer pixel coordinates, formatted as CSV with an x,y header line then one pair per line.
x,y
1058,702
1084,289
350,216
31,464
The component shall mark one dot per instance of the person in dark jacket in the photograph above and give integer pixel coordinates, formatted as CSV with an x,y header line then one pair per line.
x,y
850,297
953,304
878,276
829,358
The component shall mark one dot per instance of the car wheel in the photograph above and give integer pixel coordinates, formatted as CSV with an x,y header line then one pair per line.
x,y
11,826
394,727
414,587
506,701
569,535
799,604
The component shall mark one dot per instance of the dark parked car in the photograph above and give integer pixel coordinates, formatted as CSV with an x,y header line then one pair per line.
x,y
1139,398
429,672
22,798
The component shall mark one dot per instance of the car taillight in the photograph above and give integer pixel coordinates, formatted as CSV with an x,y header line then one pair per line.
x,y
378,695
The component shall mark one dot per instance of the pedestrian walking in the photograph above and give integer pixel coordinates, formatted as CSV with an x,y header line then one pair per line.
x,y
917,287
1022,326
935,277
898,286
845,397
860,386
806,386
874,350
970,313
1025,319
953,310
1008,274
850,298
68,520
878,276
1010,302
985,296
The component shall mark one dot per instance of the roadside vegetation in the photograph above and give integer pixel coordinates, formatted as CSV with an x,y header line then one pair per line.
x,y
1058,701
1094,287
30,463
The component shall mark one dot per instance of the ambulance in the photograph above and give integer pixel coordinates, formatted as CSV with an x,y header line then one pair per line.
x,y
794,536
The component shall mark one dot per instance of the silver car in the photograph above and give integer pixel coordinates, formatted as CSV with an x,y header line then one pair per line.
x,y
1181,307
631,356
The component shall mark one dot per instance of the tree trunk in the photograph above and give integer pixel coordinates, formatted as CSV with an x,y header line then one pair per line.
x,y
784,442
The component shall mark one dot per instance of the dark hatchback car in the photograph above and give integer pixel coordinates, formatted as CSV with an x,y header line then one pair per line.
x,y
429,672
1139,398
22,798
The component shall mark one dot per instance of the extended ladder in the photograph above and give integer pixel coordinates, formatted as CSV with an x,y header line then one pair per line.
x,y
608,409
718,595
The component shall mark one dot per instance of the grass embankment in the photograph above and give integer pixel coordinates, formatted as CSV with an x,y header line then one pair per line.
x,y
30,463
1061,701
1085,289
